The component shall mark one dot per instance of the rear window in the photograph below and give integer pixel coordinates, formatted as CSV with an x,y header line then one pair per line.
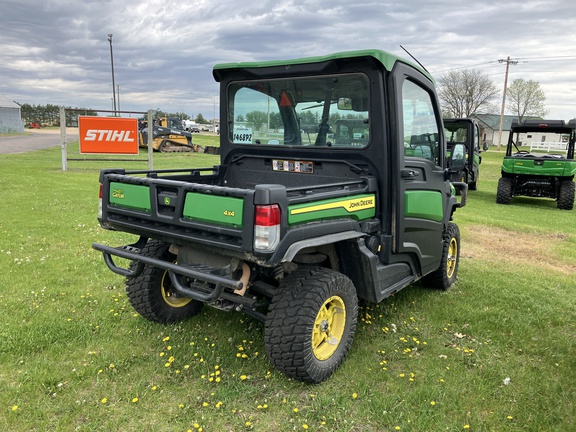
x,y
325,111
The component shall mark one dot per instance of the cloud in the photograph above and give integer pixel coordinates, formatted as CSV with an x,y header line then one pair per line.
x,y
57,51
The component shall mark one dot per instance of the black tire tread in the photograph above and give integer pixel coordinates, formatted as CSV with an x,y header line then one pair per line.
x,y
438,279
290,319
566,195
504,193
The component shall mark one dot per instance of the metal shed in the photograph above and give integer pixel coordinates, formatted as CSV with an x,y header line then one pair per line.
x,y
10,116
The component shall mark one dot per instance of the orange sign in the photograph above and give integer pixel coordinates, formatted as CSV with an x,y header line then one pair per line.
x,y
108,135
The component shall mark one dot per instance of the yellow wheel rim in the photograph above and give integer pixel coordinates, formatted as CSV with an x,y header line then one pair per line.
x,y
451,260
168,294
328,328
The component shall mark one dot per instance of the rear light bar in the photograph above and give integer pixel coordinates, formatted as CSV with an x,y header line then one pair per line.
x,y
266,227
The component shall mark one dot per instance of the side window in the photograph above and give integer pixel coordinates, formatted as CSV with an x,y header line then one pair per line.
x,y
476,138
421,136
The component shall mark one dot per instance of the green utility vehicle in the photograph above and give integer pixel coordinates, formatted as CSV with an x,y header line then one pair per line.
x,y
547,169
465,131
294,225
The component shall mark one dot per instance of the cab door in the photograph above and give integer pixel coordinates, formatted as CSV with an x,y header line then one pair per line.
x,y
422,189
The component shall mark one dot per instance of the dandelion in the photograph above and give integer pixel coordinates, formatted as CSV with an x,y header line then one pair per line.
x,y
296,410
466,426
181,405
204,404
15,408
166,339
154,388
304,426
509,417
243,377
397,428
135,400
432,403
104,400
354,395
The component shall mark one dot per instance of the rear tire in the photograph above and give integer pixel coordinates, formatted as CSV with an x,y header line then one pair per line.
x,y
566,195
504,193
311,323
152,294
446,275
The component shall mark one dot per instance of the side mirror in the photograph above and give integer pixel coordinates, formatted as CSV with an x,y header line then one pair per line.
x,y
485,146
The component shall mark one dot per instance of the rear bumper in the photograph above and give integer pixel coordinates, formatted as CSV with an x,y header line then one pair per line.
x,y
175,271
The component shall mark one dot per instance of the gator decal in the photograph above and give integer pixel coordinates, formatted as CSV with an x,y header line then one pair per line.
x,y
131,196
214,209
423,204
359,207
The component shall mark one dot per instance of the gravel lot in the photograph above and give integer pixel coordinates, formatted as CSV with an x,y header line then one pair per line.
x,y
35,139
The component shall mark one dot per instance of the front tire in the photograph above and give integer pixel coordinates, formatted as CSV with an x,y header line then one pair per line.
x,y
446,275
311,323
474,185
152,294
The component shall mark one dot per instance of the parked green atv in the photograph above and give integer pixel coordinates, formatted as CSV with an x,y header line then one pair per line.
x,y
547,169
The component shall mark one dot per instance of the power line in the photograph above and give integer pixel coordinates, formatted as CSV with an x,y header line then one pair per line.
x,y
547,58
464,67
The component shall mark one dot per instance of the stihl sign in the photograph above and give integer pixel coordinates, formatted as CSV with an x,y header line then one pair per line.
x,y
108,135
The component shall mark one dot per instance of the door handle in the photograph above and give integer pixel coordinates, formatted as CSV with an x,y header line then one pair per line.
x,y
408,173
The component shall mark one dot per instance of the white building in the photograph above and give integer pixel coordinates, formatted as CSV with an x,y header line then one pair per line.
x,y
10,116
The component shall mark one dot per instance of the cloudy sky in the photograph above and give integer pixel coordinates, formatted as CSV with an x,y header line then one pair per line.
x,y
57,51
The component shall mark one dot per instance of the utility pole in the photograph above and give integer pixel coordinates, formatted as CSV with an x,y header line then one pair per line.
x,y
508,63
112,63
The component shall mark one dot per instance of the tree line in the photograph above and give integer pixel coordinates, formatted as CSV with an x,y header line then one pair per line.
x,y
467,92
49,115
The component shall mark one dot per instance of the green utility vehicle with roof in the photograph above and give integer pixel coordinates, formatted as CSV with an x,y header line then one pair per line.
x,y
296,223
546,169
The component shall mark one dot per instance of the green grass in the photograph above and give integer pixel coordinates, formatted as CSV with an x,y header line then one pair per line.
x,y
75,356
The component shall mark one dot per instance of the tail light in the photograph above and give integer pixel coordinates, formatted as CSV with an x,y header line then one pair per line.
x,y
266,228
100,202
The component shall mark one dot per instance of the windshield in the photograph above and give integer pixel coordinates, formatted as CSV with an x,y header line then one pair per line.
x,y
456,133
329,111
